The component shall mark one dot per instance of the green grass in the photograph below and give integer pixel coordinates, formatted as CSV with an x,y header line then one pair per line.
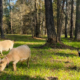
x,y
46,62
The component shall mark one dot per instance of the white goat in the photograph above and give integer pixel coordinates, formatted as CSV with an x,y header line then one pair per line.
x,y
6,45
20,53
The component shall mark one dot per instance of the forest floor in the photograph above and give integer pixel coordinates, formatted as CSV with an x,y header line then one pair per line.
x,y
47,63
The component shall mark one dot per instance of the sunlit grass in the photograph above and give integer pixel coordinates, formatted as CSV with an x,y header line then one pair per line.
x,y
46,62
71,43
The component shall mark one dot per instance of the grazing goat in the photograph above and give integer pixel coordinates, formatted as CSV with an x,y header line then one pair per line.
x,y
20,53
6,45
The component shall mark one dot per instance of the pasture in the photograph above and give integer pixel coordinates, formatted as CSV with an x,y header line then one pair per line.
x,y
45,63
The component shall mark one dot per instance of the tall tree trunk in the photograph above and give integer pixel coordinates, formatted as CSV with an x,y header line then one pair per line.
x,y
11,23
37,27
60,10
1,15
35,20
71,27
66,19
58,20
21,22
49,21
10,18
77,28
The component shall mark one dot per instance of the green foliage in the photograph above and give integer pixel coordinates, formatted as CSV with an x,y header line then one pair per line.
x,y
20,17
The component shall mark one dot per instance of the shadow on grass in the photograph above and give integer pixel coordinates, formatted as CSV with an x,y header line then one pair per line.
x,y
72,42
27,38
69,39
41,46
30,45
65,55
24,38
40,53
5,76
42,66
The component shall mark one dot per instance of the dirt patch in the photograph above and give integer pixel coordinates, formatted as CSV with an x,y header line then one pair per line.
x,y
58,60
39,38
72,67
52,78
67,61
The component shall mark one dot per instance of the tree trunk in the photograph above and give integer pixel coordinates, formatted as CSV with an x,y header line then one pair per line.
x,y
1,15
71,27
35,20
21,22
66,19
77,28
58,21
39,14
49,21
37,27
60,10
10,18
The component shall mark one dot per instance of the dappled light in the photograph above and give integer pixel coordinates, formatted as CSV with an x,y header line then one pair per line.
x,y
18,77
48,33
45,63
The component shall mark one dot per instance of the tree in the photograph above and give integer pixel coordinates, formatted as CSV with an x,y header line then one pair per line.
x,y
10,17
77,28
66,19
1,15
37,26
60,11
58,20
71,27
49,21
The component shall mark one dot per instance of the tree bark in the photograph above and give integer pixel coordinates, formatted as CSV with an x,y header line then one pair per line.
x,y
1,16
37,27
60,10
77,28
10,18
71,27
58,20
66,19
49,21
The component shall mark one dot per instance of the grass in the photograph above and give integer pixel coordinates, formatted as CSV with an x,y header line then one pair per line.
x,y
45,63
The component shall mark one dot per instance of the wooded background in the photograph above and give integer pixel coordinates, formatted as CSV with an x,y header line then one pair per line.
x,y
41,17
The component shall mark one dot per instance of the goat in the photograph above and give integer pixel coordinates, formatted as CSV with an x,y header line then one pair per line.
x,y
20,53
6,45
